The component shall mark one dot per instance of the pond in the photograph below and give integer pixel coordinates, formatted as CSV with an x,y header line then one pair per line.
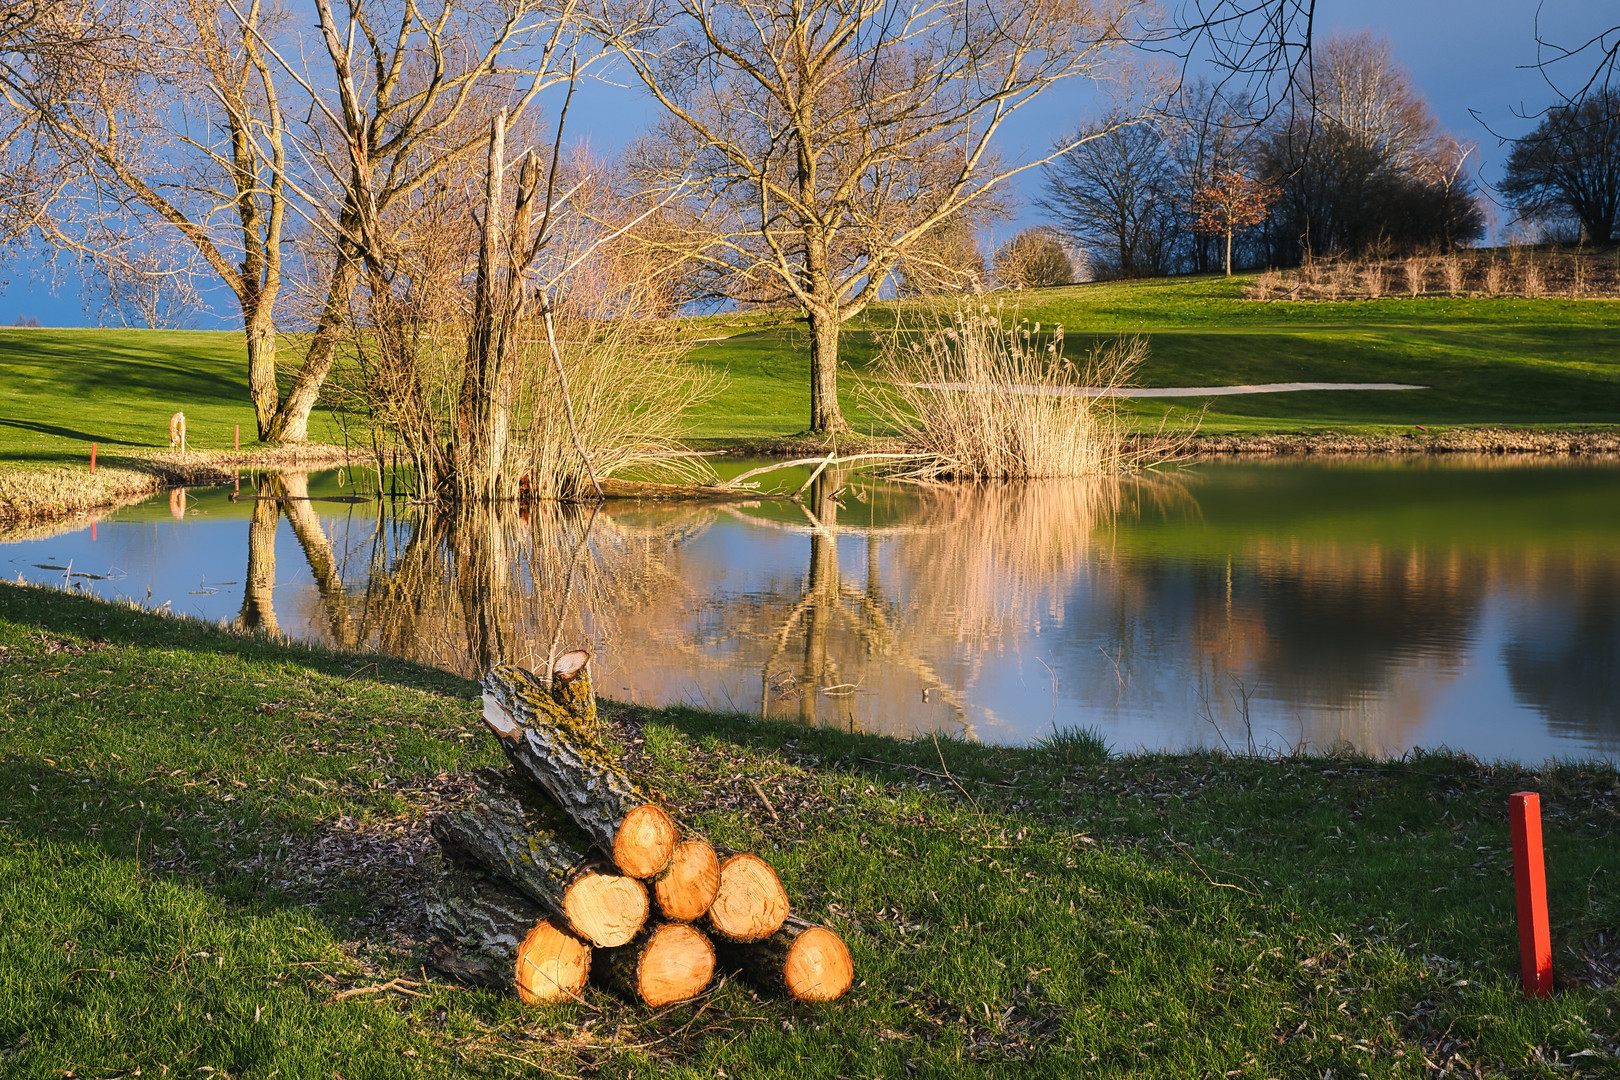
x,y
1270,605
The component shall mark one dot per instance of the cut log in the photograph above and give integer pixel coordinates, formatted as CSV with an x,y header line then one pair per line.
x,y
552,964
802,960
668,962
571,688
499,937
547,744
687,888
515,834
751,904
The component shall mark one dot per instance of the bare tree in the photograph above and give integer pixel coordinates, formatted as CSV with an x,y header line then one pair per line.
x,y
947,260
164,116
406,96
1110,189
834,136
1361,161
1569,165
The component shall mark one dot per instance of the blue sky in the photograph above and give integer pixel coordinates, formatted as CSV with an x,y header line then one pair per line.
x,y
1465,56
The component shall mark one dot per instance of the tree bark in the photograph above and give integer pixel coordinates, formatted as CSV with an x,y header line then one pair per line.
x,y
571,688
1228,252
750,904
499,937
802,960
825,415
516,836
550,746
668,962
291,420
258,321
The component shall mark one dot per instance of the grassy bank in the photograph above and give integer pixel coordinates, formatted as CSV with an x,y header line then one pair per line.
x,y
249,845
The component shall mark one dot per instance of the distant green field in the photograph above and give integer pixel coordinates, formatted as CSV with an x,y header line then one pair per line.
x,y
1549,362
64,388
1486,361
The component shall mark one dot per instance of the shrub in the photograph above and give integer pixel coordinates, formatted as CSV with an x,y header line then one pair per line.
x,y
977,396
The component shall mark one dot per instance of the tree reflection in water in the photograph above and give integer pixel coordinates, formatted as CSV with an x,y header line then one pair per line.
x,y
906,609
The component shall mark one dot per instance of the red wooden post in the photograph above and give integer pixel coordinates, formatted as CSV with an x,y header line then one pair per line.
x,y
92,530
92,457
238,436
1530,875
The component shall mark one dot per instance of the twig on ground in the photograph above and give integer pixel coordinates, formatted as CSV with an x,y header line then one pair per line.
x,y
761,793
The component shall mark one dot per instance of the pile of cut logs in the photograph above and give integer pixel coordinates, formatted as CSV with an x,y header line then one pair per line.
x,y
563,869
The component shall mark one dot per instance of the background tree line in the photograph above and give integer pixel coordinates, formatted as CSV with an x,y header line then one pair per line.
x,y
1354,159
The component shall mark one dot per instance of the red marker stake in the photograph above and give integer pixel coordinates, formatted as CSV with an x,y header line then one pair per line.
x,y
92,457
1530,875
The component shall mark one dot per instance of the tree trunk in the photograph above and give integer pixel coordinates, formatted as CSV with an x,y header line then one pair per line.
x,y
668,962
501,938
291,420
804,961
1228,252
261,356
825,415
571,688
686,890
751,904
519,838
548,745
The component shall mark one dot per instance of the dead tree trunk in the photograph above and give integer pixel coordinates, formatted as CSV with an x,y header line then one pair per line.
x,y
804,961
548,745
668,962
499,937
523,841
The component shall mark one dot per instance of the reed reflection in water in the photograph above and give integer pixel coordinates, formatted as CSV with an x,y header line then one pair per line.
x,y
1216,605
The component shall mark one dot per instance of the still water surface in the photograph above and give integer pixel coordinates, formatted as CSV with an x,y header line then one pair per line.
x,y
1384,604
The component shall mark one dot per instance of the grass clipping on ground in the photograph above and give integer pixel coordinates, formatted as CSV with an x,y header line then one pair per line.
x,y
984,394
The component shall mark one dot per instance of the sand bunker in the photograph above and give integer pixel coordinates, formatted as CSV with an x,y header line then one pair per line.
x,y
1182,391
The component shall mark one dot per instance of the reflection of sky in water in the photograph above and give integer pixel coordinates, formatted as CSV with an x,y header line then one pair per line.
x,y
1385,607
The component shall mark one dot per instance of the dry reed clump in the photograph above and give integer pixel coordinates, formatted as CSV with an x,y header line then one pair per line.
x,y
1523,271
984,396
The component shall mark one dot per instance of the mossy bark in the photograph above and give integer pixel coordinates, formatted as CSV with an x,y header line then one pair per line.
x,y
518,836
550,746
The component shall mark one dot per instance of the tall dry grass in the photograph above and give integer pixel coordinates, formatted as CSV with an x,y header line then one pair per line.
x,y
984,394
1516,271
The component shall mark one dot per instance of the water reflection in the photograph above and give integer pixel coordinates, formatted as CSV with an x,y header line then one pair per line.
x,y
1278,605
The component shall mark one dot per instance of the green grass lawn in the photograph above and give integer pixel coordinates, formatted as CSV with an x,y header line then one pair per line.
x,y
1513,362
249,842
1489,362
66,388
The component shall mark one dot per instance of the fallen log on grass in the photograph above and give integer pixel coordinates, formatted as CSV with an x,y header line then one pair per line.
x,y
802,960
514,834
666,963
499,937
551,746
750,904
